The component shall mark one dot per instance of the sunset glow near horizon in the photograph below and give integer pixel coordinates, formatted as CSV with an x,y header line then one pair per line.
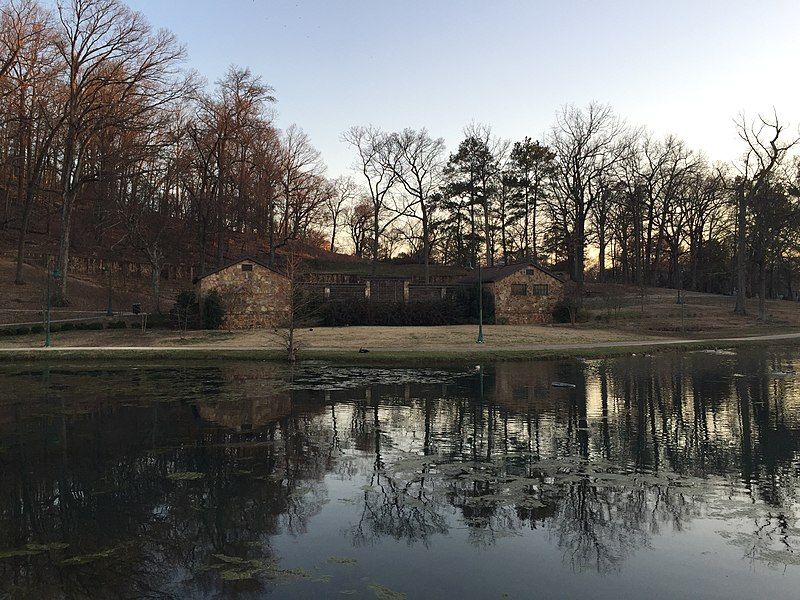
x,y
683,68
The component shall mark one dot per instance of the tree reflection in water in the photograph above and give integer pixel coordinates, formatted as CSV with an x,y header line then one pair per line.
x,y
177,480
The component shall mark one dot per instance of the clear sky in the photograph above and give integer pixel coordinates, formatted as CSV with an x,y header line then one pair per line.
x,y
677,66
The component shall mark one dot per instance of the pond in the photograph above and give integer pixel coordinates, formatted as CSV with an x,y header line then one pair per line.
x,y
666,476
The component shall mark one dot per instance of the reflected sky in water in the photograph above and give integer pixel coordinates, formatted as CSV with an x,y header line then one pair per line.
x,y
666,476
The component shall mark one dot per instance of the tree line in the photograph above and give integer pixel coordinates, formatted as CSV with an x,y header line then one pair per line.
x,y
110,144
645,210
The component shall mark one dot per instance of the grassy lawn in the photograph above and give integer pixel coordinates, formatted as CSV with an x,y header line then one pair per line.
x,y
337,338
701,316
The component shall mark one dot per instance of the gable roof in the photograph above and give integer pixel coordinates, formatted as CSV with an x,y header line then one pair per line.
x,y
249,259
491,274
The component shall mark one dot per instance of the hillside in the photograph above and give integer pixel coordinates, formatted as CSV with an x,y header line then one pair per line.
x,y
88,294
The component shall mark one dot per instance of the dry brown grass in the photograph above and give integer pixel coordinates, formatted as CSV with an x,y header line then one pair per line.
x,y
345,338
701,316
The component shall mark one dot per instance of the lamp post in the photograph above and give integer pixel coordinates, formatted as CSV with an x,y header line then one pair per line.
x,y
109,309
51,275
469,267
480,305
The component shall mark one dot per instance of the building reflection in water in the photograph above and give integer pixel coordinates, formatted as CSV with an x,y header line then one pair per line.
x,y
178,480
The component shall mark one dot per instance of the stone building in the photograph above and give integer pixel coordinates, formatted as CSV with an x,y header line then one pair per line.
x,y
253,293
523,293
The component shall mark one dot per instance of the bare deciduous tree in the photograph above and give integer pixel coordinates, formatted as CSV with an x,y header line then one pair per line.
x,y
117,70
418,160
764,151
344,192
587,143
379,167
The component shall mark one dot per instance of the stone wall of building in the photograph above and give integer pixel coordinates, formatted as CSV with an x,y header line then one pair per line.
x,y
257,298
525,309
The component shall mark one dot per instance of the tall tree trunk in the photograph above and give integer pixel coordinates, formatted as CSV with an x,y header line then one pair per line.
x,y
741,254
601,259
202,235
674,265
762,292
155,272
73,165
534,255
375,239
60,293
474,234
579,240
23,231
487,234
220,243
526,240
426,243
503,233
271,231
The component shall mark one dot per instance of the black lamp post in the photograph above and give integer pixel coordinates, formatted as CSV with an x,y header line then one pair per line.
x,y
480,306
681,298
480,302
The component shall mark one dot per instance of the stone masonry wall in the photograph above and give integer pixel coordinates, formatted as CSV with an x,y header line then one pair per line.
x,y
522,310
257,298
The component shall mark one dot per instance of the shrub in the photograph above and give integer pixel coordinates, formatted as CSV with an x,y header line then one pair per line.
x,y
118,325
185,313
469,298
213,311
22,330
362,311
37,329
562,309
94,326
569,309
68,326
160,321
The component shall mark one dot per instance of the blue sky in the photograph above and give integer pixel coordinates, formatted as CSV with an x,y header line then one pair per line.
x,y
679,67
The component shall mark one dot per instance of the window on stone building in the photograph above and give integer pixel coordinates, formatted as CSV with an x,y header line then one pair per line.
x,y
247,267
530,271
519,289
541,289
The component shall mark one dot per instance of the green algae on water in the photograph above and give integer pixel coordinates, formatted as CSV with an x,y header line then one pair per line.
x,y
185,476
384,593
32,550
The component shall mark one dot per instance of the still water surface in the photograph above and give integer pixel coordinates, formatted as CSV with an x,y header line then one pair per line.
x,y
667,476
